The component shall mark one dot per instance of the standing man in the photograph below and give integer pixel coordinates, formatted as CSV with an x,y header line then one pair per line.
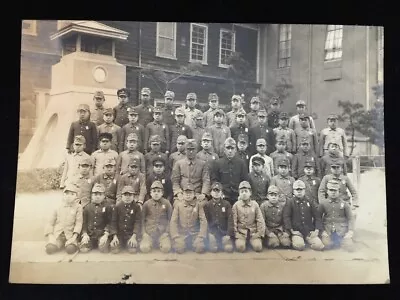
x,y
96,116
213,101
294,121
145,110
273,116
236,104
120,111
168,112
261,130
252,116
229,170
191,111
110,127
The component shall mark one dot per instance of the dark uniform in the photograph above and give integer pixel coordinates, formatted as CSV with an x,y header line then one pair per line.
x,y
132,128
208,156
150,156
86,128
145,111
240,129
273,116
261,131
299,160
120,111
243,154
125,156
312,183
164,178
286,133
306,133
328,160
259,182
137,182
109,181
157,128
179,129
168,112
111,128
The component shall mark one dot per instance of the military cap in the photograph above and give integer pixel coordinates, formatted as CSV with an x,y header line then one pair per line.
x,y
333,184
108,111
145,91
128,189
274,100
334,141
332,117
133,161
110,162
179,111
216,185
83,107
236,97
132,137
188,187
199,115
303,115
79,139
123,91
310,162
132,111
98,188
99,94
281,139
241,112
191,96
243,138
262,112
258,160
213,96
255,99
71,187
244,184
181,138
157,185
301,102
85,161
155,139
219,111
299,184
158,159
230,142
191,144
338,162
207,136
273,189
261,142
157,109
105,135
305,140
169,94
283,162
283,115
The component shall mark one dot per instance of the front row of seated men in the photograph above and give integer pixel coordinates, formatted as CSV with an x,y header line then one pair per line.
x,y
200,225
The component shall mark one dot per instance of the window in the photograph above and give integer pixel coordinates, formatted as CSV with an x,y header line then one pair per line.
x,y
198,43
226,47
29,27
333,43
285,37
166,40
97,45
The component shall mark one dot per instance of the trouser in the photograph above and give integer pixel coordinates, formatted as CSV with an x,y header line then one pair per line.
x,y
193,242
60,244
156,240
298,243
93,244
242,241
335,240
217,241
123,243
277,238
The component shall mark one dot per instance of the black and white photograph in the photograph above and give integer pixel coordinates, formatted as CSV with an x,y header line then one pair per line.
x,y
200,153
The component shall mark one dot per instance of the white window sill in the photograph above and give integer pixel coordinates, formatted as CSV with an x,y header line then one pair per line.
x,y
334,63
223,66
198,62
167,57
283,71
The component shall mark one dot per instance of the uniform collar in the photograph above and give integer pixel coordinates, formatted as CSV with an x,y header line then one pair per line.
x,y
157,123
334,200
332,129
105,176
99,108
133,125
216,202
84,177
78,154
108,125
193,203
85,122
246,204
122,105
272,205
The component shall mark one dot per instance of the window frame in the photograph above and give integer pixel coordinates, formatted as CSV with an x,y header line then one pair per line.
x,y
32,30
158,53
220,45
287,59
333,50
205,51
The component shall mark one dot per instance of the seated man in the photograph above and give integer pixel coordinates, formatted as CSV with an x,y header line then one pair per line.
x,y
156,214
65,223
248,222
218,213
188,226
96,222
302,219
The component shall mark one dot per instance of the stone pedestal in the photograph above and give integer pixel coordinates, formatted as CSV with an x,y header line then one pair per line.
x,y
74,80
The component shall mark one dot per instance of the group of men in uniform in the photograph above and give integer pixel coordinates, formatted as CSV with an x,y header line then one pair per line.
x,y
177,178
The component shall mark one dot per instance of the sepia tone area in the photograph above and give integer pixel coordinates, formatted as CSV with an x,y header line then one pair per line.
x,y
330,70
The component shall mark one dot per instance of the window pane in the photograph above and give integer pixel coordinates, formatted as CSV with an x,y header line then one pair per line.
x,y
166,29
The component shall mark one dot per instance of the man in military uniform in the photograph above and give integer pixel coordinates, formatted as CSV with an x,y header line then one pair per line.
x,y
273,115
252,116
236,104
259,181
145,110
120,111
207,154
213,101
333,156
157,127
179,128
131,152
304,131
282,131
132,127
333,133
188,225
302,219
337,219
248,222
96,115
312,182
240,127
161,174
83,181
134,179
103,154
178,155
96,222
191,170
283,180
294,121
156,215
243,152
299,159
229,170
109,179
261,131
219,132
155,145
169,110
198,128
191,110
109,126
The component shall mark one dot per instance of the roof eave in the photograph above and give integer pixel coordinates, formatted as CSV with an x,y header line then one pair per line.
x,y
73,28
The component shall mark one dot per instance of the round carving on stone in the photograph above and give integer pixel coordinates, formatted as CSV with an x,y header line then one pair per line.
x,y
99,74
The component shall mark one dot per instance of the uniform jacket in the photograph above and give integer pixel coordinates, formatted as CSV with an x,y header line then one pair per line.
x,y
219,135
161,129
336,216
99,157
273,216
97,219
289,135
261,131
259,186
252,118
247,216
177,130
71,166
126,220
88,130
110,182
173,158
237,129
165,181
121,114
123,161
150,156
294,122
219,217
132,128
84,184
168,116
190,115
156,216
326,162
328,135
344,182
273,119
312,184
96,115
115,132
285,184
138,182
145,114
311,135
244,155
299,161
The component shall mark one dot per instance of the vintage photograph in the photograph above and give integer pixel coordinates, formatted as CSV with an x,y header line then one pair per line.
x,y
171,152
